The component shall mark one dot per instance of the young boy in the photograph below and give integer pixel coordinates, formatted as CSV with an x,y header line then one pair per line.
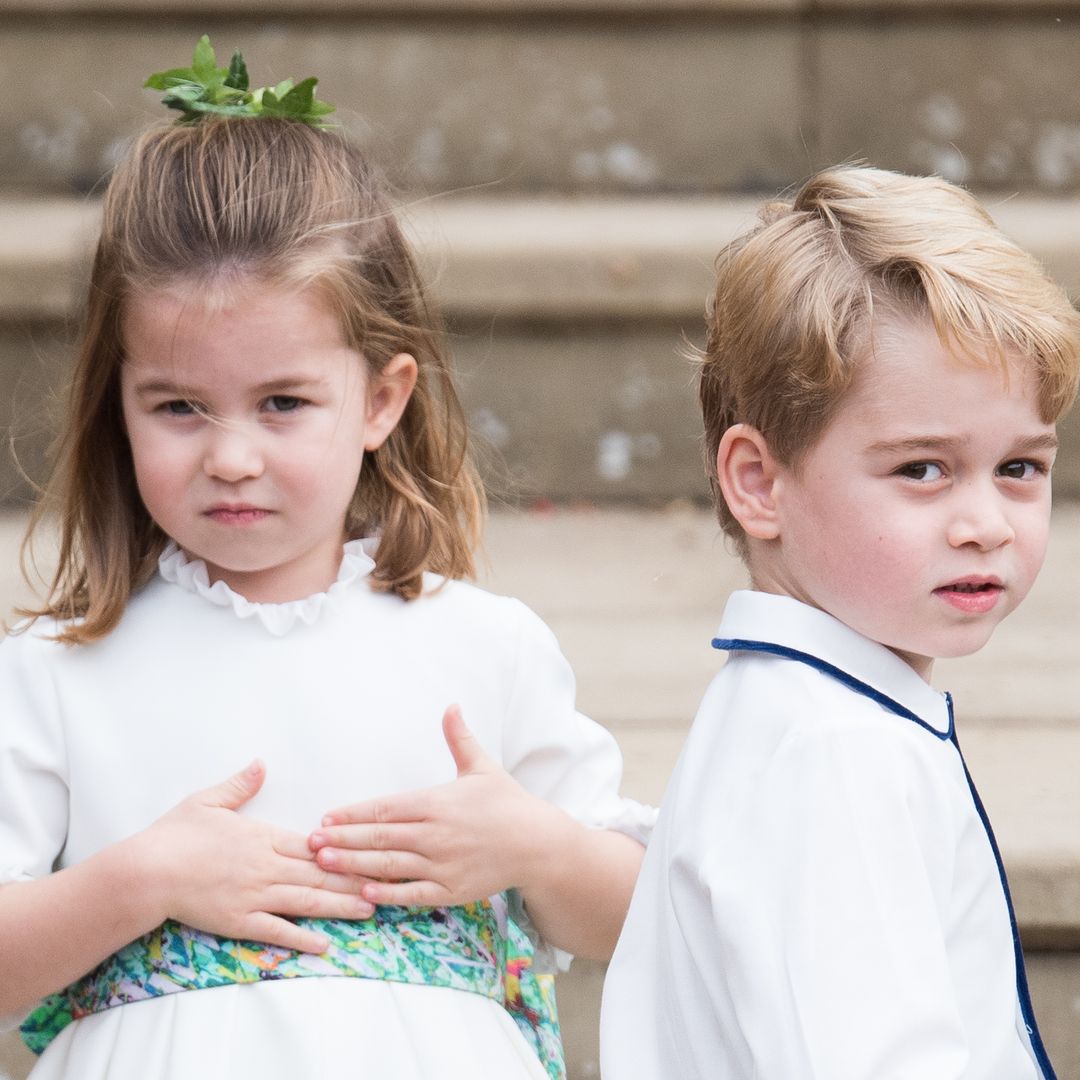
x,y
823,897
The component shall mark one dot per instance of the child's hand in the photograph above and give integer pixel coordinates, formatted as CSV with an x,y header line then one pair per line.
x,y
233,876
451,844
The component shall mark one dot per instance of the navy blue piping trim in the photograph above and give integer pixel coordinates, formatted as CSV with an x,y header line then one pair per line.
x,y
1026,1009
1022,991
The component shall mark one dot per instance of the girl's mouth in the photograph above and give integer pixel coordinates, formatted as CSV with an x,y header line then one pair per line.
x,y
236,515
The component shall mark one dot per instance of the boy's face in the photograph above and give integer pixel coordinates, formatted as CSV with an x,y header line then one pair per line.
x,y
920,517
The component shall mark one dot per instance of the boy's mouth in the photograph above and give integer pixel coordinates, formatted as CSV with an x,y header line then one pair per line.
x,y
974,595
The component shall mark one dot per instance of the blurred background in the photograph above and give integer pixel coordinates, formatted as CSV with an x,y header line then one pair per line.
x,y
569,169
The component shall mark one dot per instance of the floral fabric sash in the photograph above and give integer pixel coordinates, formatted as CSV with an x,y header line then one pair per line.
x,y
473,947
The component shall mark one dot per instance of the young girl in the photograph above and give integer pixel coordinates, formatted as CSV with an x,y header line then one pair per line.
x,y
265,509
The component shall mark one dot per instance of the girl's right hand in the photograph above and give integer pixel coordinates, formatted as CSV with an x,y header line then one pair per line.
x,y
233,876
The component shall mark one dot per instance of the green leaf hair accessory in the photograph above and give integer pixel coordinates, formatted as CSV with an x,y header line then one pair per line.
x,y
204,88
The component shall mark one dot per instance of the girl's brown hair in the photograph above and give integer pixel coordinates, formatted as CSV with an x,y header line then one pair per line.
x,y
794,305
282,203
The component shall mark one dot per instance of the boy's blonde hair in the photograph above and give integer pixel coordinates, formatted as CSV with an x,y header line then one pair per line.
x,y
795,300
210,205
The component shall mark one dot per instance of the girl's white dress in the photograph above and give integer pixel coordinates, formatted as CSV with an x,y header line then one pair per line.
x,y
342,695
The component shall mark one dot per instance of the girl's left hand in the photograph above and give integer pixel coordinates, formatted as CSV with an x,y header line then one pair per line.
x,y
451,844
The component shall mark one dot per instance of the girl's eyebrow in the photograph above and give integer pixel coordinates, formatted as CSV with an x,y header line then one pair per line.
x,y
1045,440
290,383
286,385
162,386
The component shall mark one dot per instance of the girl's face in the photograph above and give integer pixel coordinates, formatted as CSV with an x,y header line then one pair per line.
x,y
248,426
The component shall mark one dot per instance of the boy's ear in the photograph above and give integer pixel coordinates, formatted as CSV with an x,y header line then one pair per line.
x,y
747,473
388,394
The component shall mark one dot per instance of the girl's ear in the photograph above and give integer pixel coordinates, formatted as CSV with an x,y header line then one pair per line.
x,y
388,394
748,474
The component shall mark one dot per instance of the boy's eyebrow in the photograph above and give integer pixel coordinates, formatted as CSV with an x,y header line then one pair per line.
x,y
1045,440
1048,440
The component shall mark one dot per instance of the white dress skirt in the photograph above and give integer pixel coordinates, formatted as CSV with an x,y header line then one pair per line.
x,y
317,1028
342,696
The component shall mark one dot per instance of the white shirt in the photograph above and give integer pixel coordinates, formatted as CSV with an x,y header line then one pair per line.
x,y
342,695
820,900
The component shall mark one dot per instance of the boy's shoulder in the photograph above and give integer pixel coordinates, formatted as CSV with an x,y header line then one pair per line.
x,y
802,694
798,729
775,706
791,661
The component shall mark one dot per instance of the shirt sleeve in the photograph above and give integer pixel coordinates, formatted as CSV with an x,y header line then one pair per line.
x,y
33,766
560,755
556,752
820,919
33,772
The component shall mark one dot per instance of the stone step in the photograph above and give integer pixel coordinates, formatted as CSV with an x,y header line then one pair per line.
x,y
445,9
581,95
569,316
541,258
549,8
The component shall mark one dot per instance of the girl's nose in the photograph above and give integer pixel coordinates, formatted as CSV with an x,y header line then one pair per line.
x,y
232,453
980,518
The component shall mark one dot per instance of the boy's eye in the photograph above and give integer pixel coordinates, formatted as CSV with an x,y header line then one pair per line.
x,y
283,403
1021,470
921,470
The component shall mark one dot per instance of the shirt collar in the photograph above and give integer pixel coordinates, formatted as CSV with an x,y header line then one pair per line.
x,y
798,628
192,576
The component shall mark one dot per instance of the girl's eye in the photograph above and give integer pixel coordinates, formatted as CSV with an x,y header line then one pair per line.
x,y
283,403
178,408
926,471
1021,470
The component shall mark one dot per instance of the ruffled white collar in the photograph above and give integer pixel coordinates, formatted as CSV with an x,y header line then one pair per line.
x,y
191,575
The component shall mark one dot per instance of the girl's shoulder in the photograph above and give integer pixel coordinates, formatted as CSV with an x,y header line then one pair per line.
x,y
470,611
31,660
469,599
33,637
40,637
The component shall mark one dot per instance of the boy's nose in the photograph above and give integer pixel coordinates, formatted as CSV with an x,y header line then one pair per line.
x,y
980,518
232,454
